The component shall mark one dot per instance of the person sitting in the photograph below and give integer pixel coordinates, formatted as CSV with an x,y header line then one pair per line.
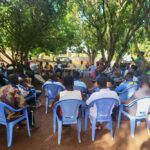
x,y
28,71
125,84
2,80
116,76
48,68
79,85
110,83
40,68
86,69
81,69
133,69
92,69
58,69
142,92
77,81
30,94
94,87
69,92
38,77
53,79
103,93
11,95
71,65
100,66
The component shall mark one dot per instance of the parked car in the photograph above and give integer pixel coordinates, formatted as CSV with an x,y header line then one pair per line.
x,y
64,61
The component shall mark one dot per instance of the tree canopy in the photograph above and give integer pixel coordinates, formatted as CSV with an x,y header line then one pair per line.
x,y
110,28
28,24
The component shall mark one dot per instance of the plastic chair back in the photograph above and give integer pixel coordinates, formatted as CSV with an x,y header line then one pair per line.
x,y
104,110
2,113
52,90
143,106
104,107
70,109
128,93
9,125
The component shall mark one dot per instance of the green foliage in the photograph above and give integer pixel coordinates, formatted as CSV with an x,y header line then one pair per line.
x,y
89,26
26,25
109,26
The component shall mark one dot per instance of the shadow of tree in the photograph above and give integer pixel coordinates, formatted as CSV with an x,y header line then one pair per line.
x,y
121,136
44,139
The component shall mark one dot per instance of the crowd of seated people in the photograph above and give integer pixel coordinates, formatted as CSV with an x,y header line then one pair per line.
x,y
17,88
17,91
110,85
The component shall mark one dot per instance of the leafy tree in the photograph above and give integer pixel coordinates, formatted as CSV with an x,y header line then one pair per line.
x,y
90,26
25,25
110,25
146,18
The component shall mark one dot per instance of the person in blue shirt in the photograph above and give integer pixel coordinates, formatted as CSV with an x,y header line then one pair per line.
x,y
77,81
79,85
125,84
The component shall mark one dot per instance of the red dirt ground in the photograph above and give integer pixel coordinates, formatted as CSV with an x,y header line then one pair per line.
x,y
44,139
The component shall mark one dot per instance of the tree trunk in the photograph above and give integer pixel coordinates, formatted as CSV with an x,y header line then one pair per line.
x,y
144,62
25,58
92,57
111,53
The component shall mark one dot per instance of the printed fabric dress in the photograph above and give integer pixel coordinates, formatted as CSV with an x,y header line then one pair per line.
x,y
12,97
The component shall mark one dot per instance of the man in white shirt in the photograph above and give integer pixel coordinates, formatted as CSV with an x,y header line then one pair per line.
x,y
53,80
103,93
69,93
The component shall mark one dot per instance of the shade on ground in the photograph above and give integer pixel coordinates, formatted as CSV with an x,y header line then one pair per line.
x,y
44,139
